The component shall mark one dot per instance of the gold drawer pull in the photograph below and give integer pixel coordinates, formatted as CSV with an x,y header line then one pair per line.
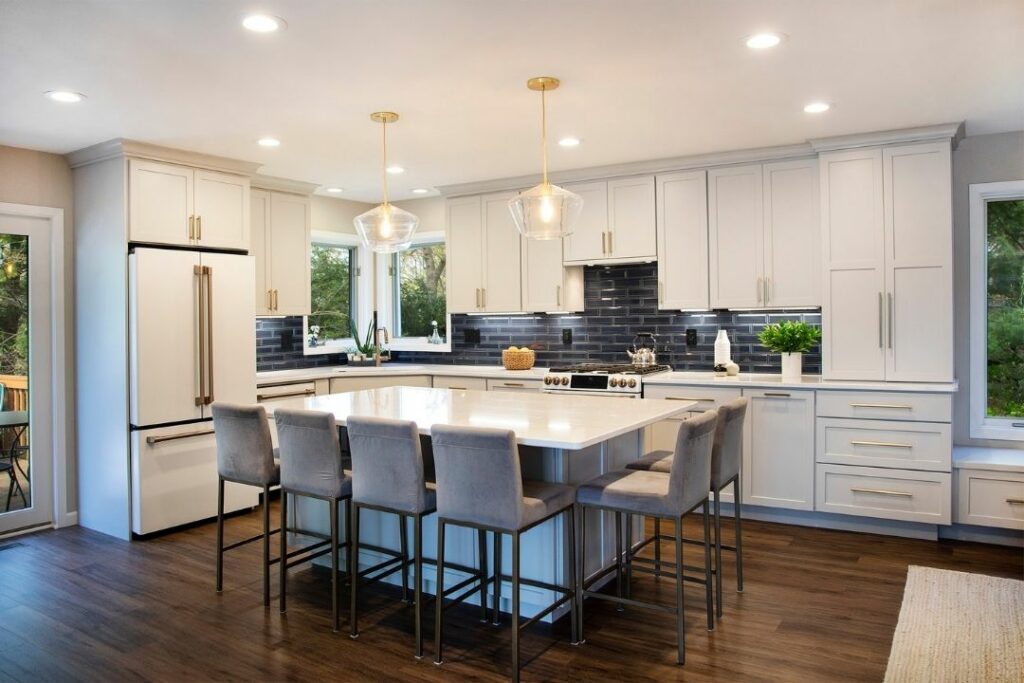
x,y
1015,501
458,388
151,440
894,406
886,444
689,398
304,392
883,492
776,394
513,384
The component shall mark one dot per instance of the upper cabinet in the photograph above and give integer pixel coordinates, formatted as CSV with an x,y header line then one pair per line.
x,y
617,224
682,211
183,206
763,235
887,260
281,247
547,284
484,253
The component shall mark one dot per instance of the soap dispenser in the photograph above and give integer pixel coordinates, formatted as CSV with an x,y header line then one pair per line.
x,y
723,349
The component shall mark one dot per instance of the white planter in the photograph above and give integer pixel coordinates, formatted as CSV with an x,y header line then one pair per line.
x,y
792,367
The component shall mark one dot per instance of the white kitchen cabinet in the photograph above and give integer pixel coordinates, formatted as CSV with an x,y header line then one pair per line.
x,y
514,385
903,495
763,235
547,284
484,255
617,223
281,246
778,449
460,383
887,263
184,206
340,385
990,498
682,220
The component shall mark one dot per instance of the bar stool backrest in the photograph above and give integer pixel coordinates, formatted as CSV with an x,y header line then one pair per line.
x,y
310,452
245,452
387,463
478,476
727,452
690,479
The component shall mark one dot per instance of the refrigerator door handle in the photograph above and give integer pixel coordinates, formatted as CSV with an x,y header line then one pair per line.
x,y
201,316
208,270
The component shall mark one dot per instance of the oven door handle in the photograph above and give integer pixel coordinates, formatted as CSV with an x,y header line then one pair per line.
x,y
585,392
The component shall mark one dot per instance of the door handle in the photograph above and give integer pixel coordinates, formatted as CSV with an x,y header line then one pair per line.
x,y
558,295
199,227
304,392
760,289
151,440
192,227
611,248
895,406
276,295
201,322
483,297
604,242
513,384
689,398
208,271
890,318
883,492
776,394
884,444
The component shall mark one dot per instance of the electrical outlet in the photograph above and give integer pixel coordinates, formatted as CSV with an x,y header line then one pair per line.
x,y
567,335
472,336
691,337
287,340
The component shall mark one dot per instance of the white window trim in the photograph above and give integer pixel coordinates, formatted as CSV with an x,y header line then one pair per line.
x,y
386,308
364,309
983,426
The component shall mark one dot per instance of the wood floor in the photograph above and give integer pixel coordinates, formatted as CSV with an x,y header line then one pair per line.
x,y
818,606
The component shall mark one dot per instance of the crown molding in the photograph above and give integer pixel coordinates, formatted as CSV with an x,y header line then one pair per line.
x,y
123,147
266,182
945,131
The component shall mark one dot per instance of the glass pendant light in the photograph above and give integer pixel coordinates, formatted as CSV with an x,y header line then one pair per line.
x,y
545,212
386,228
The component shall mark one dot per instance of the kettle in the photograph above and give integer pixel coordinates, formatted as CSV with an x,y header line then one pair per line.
x,y
643,352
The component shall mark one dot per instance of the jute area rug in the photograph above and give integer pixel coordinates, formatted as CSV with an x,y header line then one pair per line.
x,y
958,627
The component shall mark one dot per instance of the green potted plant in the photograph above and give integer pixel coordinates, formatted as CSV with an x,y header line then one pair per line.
x,y
792,339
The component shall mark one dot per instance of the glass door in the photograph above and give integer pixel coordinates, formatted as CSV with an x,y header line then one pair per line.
x,y
26,429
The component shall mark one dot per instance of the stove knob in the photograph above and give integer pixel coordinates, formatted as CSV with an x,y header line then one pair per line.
x,y
614,382
547,380
632,383
565,381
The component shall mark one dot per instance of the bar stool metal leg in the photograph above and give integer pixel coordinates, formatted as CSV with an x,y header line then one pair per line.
x,y
283,568
220,534
481,537
708,585
439,592
334,565
353,571
499,540
680,608
417,549
618,559
570,520
266,546
515,606
737,505
629,555
718,554
403,544
581,570
657,546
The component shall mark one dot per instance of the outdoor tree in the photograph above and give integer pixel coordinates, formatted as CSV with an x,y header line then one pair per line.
x,y
1006,308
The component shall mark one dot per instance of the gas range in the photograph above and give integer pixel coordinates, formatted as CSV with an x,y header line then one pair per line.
x,y
610,379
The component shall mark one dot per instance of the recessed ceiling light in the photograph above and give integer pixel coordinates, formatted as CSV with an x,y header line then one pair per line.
x,y
335,190
395,170
569,142
66,96
263,23
817,107
420,190
268,142
763,41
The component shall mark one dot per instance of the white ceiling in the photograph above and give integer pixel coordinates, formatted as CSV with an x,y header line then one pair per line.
x,y
642,79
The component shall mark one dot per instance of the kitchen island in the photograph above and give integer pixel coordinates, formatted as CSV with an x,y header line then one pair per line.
x,y
566,439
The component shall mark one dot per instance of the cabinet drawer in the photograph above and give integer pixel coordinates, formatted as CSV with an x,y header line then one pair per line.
x,y
707,398
340,385
886,405
990,498
902,495
280,392
454,382
884,443
514,384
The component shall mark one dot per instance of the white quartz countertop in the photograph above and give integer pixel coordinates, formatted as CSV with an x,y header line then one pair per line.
x,y
669,378
538,419
992,459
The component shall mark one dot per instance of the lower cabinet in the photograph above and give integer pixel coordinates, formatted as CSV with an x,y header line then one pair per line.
x,y
457,383
340,385
990,498
514,385
904,495
778,449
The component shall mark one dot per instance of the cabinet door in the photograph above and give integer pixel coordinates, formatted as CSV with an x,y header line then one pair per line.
x,y
231,356
631,218
919,262
682,203
778,449
502,249
735,237
792,249
542,275
853,281
259,249
289,253
588,242
222,210
465,254
159,202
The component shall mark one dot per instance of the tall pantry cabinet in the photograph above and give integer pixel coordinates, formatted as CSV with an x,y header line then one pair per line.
x,y
887,240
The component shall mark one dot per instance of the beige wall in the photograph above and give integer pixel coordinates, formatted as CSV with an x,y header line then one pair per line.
x,y
430,211
335,215
979,159
41,179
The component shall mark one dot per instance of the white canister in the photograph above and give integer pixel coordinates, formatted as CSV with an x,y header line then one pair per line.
x,y
723,349
792,367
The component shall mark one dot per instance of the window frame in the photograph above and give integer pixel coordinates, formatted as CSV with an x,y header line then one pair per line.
x,y
387,285
362,309
983,426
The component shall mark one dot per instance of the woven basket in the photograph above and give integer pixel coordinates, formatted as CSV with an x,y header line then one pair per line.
x,y
518,360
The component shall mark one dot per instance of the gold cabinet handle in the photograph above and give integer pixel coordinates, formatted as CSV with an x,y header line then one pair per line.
x,y
1015,501
483,297
151,440
208,271
884,444
890,318
458,388
883,492
478,297
513,384
760,289
192,227
558,295
270,299
304,392
275,299
611,247
892,406
199,227
604,242
201,318
776,394
689,398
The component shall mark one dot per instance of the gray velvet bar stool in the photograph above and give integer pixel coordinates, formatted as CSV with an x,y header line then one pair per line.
x,y
726,459
650,494
388,476
245,455
480,485
311,466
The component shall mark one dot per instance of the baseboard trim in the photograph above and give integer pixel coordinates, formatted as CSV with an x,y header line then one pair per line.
x,y
983,534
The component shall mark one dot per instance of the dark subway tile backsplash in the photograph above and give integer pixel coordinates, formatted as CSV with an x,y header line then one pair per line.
x,y
619,300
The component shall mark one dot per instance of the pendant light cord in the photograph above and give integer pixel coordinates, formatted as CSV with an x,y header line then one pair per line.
x,y
544,132
384,167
